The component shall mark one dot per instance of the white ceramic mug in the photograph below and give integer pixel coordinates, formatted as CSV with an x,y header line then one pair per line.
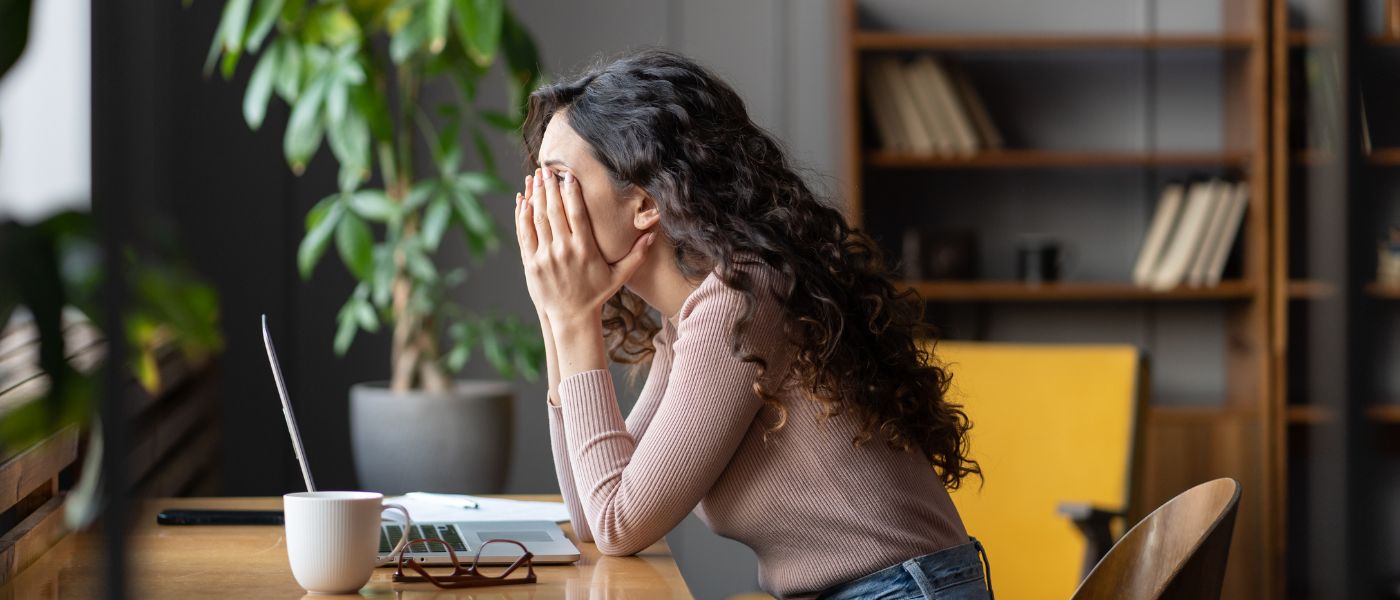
x,y
333,538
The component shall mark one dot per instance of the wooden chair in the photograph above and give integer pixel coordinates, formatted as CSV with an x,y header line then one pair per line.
x,y
1178,551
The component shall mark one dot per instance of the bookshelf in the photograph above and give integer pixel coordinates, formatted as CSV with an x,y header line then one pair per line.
x,y
1230,432
1021,158
1306,414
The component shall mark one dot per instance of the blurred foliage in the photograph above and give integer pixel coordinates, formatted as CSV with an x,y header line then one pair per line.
x,y
58,265
352,73
14,32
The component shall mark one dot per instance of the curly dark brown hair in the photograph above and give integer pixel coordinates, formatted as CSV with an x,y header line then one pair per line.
x,y
728,195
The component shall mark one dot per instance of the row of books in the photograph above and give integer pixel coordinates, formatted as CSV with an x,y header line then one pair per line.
x,y
925,106
1191,234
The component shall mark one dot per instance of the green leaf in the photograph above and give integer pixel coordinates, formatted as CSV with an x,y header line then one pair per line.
x,y
500,120
483,150
437,24
410,39
292,10
356,245
231,30
481,183
345,332
420,194
435,221
337,98
374,205
382,283
320,223
349,139
332,24
522,57
419,265
265,14
260,87
375,111
289,69
479,27
495,351
305,128
365,316
481,233
458,357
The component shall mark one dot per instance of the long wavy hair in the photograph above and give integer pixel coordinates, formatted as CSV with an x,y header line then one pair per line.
x,y
728,196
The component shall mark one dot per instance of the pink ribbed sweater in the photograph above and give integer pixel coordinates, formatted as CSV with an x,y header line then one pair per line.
x,y
815,510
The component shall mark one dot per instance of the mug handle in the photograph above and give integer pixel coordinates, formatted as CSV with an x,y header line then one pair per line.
x,y
403,541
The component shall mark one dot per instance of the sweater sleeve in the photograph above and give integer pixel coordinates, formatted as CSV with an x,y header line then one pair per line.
x,y
633,490
637,421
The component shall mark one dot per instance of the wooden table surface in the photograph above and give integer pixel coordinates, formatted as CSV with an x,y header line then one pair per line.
x,y
250,561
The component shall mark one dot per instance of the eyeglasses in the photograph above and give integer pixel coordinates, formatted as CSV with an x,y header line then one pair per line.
x,y
468,576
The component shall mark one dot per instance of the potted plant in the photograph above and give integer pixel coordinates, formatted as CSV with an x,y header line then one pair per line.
x,y
353,73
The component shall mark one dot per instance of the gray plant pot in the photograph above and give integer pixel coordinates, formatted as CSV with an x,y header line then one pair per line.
x,y
456,442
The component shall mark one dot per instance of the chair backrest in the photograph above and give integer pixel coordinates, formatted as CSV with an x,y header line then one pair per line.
x,y
1177,552
1051,424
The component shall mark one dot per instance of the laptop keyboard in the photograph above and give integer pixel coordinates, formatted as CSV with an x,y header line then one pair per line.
x,y
389,536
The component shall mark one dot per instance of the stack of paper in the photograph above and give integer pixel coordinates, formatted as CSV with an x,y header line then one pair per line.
x,y
425,507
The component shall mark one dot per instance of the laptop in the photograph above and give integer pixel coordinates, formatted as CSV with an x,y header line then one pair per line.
x,y
544,539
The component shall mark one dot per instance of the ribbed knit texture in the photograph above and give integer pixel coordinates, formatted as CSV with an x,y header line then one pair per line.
x,y
816,510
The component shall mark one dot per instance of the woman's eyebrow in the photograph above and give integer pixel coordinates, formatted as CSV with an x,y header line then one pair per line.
x,y
554,161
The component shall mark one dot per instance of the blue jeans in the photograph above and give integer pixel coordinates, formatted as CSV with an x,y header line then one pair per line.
x,y
956,573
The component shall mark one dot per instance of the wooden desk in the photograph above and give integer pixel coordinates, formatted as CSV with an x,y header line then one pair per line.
x,y
251,562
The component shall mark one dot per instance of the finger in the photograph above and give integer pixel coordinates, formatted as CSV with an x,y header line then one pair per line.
x,y
577,211
543,235
554,205
529,187
623,269
524,230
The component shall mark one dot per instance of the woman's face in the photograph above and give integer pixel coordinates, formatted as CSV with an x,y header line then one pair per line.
x,y
618,218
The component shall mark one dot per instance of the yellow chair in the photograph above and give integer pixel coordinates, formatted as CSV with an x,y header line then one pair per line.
x,y
1055,430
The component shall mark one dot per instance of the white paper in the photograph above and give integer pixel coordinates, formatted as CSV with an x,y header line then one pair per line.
x,y
427,507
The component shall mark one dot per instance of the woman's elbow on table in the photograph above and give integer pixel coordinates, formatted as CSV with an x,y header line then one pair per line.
x,y
614,543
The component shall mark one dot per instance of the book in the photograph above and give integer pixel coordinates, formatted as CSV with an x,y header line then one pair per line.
x,y
910,119
1185,240
1214,229
940,129
1164,219
882,108
963,136
988,136
1239,202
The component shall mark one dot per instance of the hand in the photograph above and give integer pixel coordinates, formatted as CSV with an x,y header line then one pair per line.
x,y
567,275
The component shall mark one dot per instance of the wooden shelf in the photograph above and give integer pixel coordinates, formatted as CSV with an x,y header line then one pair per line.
x,y
1312,157
1053,159
1379,290
1384,413
1386,157
1298,38
891,40
1015,291
1307,289
1305,414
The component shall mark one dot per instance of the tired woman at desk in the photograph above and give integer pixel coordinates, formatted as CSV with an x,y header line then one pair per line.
x,y
788,401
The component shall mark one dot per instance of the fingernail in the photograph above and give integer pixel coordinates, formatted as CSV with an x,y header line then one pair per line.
x,y
567,177
548,174
651,237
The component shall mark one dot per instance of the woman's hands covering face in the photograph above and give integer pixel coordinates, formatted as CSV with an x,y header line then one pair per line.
x,y
565,272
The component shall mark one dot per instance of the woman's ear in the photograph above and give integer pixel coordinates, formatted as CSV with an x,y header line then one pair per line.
x,y
647,215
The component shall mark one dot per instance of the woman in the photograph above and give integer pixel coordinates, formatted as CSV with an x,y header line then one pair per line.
x,y
788,402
